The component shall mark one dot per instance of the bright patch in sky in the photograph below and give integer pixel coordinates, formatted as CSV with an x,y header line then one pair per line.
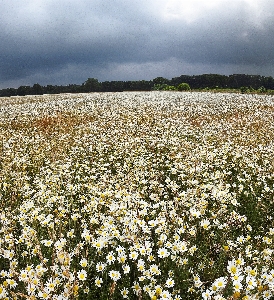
x,y
188,10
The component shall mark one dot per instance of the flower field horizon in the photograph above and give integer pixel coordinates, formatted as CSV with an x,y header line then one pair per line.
x,y
137,195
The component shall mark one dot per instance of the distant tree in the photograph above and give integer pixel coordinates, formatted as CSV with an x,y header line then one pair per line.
x,y
244,89
106,86
160,87
157,87
143,85
160,80
24,90
74,88
91,85
167,87
50,89
8,92
170,88
246,83
37,89
268,82
262,89
183,78
115,86
183,87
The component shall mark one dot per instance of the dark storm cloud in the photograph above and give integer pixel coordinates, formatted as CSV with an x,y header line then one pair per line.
x,y
59,42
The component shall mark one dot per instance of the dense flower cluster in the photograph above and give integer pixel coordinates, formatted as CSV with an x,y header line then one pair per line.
x,y
148,195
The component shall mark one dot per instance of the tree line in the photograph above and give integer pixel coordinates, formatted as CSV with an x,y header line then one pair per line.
x,y
244,83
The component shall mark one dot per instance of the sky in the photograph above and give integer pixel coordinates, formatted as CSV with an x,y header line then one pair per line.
x,y
67,41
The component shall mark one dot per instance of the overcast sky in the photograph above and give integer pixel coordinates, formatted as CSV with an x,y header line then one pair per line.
x,y
67,41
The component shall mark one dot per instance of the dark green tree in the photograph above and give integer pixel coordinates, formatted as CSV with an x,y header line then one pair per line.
x,y
37,89
183,87
91,85
24,90
161,80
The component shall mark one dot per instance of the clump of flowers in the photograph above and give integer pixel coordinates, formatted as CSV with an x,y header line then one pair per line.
x,y
146,195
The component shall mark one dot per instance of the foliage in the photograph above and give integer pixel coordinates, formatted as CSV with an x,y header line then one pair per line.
x,y
183,87
37,89
262,89
164,87
206,82
91,85
160,80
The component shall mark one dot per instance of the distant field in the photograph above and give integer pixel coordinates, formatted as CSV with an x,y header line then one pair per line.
x,y
137,195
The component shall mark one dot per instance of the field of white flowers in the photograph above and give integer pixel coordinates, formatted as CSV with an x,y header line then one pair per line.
x,y
146,195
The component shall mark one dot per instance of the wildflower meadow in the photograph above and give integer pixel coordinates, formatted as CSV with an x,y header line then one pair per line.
x,y
137,195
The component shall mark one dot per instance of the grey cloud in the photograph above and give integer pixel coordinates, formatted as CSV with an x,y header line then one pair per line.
x,y
46,40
